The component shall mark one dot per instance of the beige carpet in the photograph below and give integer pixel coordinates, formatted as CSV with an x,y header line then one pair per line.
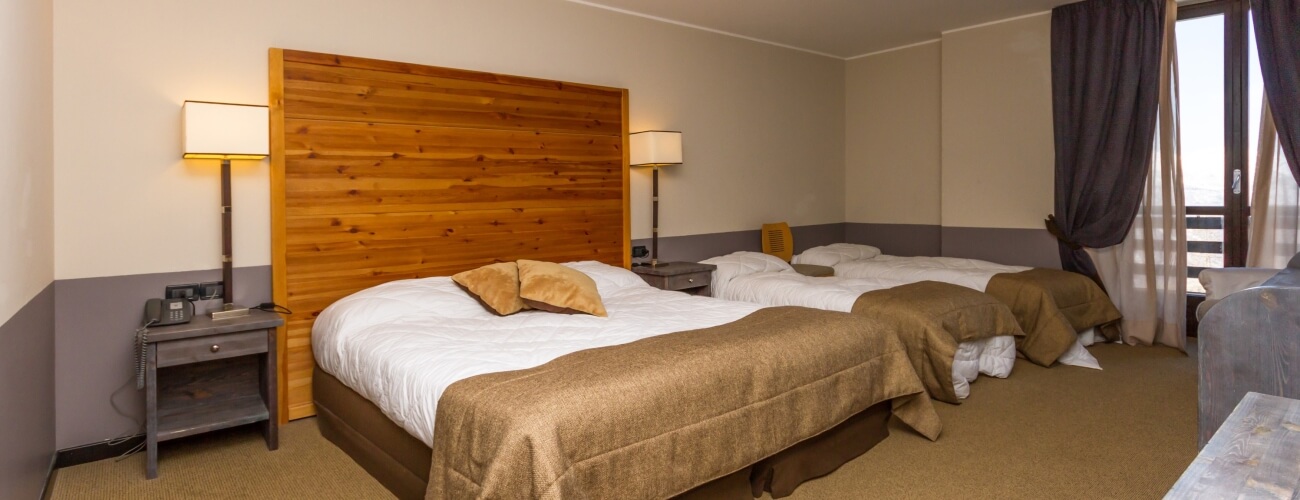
x,y
1125,432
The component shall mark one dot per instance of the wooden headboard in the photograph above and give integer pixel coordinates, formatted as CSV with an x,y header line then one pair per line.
x,y
384,171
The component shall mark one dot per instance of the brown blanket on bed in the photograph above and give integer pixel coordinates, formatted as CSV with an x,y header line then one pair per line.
x,y
656,417
1052,307
931,319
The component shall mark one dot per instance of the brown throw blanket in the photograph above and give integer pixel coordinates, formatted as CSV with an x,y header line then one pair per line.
x,y
1052,307
656,417
931,319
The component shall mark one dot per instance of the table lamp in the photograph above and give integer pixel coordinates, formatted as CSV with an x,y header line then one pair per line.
x,y
221,131
655,148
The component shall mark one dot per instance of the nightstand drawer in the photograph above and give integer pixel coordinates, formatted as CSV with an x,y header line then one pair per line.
x,y
194,350
687,281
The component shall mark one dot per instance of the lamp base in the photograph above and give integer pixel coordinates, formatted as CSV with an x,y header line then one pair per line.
x,y
230,311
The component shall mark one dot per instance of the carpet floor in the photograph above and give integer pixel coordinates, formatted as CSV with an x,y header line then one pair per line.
x,y
1125,432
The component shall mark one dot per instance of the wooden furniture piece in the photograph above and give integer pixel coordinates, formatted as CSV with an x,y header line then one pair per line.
x,y
1250,342
814,270
686,277
383,171
1254,455
207,375
777,241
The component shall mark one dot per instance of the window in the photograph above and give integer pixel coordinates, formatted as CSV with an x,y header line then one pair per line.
x,y
1220,99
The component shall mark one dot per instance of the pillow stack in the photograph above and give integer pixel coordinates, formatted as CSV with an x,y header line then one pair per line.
x,y
509,287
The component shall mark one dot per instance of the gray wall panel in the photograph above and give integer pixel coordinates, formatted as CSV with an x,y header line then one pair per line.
x,y
27,397
698,247
897,239
1020,247
95,326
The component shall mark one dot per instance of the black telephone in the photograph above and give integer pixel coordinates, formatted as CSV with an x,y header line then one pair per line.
x,y
158,312
163,312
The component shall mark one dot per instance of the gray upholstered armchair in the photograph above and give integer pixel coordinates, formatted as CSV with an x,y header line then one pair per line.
x,y
1220,283
1249,342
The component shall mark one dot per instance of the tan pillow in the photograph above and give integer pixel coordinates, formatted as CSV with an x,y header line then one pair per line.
x,y
496,286
555,288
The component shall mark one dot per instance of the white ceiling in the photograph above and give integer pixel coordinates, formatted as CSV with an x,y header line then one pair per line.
x,y
837,28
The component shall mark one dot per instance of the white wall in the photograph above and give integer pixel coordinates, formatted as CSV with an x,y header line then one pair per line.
x,y
763,125
26,148
998,148
892,137
955,133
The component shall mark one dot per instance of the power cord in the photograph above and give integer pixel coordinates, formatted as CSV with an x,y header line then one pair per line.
x,y
273,307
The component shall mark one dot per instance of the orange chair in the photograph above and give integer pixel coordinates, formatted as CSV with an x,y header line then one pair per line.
x,y
778,241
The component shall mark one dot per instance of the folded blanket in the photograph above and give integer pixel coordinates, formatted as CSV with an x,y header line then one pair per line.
x,y
656,417
932,318
1052,307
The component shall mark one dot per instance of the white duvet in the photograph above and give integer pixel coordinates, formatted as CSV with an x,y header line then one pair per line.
x,y
764,279
401,344
863,261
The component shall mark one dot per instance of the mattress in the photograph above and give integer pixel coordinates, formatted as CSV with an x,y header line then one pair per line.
x,y
401,344
767,280
866,262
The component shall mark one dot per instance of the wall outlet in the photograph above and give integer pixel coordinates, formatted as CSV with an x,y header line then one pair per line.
x,y
186,291
639,251
211,290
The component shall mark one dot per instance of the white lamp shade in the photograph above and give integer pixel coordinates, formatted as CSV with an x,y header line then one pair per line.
x,y
225,131
656,147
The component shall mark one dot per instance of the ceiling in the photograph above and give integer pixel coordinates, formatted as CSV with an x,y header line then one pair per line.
x,y
837,28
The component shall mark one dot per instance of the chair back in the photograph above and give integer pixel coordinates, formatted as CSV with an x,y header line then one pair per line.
x,y
778,241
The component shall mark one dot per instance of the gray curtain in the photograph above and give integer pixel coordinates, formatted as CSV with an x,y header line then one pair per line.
x,y
1105,100
1277,33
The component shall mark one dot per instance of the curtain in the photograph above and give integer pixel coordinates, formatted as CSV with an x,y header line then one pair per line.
x,y
1277,34
1105,96
1146,274
1275,203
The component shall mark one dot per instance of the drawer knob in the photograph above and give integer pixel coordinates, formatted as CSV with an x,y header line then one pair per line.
x,y
690,280
215,348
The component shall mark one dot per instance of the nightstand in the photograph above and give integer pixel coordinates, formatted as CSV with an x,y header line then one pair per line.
x,y
207,375
686,277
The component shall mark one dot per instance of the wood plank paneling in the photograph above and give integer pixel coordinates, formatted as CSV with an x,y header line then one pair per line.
x,y
384,170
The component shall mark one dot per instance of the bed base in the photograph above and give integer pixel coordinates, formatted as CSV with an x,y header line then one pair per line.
x,y
401,462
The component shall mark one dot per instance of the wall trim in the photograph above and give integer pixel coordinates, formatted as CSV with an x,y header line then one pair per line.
x,y
900,47
48,490
703,28
94,452
991,23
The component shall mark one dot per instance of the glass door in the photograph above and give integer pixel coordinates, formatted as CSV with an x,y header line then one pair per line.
x,y
1220,96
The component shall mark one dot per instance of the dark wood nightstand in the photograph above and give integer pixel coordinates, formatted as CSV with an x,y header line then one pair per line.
x,y
686,277
207,375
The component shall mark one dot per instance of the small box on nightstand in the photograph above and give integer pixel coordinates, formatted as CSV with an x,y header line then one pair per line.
x,y
689,277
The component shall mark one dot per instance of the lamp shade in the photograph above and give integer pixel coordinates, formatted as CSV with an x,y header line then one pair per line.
x,y
225,131
655,147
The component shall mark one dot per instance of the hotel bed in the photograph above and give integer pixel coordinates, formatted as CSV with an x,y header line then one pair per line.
x,y
1059,311
434,395
953,334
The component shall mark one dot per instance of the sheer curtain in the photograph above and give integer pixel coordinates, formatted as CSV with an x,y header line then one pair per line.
x,y
1146,275
1275,203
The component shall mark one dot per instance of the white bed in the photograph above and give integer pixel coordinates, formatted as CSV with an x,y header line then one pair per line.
x,y
401,344
864,261
767,280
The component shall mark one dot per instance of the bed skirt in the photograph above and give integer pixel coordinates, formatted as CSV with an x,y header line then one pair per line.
x,y
401,462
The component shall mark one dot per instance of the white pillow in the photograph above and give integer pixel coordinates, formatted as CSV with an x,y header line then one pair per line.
x,y
735,265
835,253
395,299
608,278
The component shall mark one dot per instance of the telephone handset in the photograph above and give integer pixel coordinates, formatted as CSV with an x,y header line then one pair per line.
x,y
158,312
163,312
